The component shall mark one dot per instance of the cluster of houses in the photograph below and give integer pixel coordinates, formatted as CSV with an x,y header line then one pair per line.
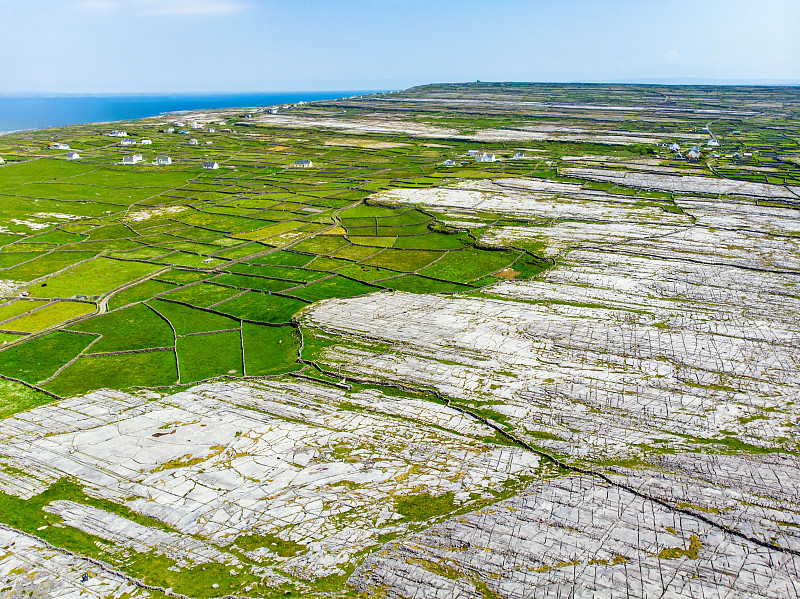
x,y
481,156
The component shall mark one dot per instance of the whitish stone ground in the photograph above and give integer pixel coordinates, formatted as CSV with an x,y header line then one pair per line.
x,y
295,460
28,568
577,537
672,352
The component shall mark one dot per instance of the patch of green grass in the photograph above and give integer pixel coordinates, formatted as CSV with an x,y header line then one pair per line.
x,y
138,293
202,295
470,264
206,356
180,276
44,265
418,284
693,552
151,369
270,350
188,320
19,307
262,307
37,359
333,287
284,258
424,506
321,244
135,327
49,316
273,543
15,398
404,260
256,283
95,277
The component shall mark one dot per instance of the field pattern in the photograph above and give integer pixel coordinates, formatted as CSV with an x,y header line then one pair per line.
x,y
570,370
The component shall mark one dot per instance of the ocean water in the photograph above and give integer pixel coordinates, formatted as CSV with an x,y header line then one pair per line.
x,y
17,113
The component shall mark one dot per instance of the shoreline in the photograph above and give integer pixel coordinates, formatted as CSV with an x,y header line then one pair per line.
x,y
345,94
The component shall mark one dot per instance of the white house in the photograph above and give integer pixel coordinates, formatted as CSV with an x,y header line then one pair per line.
x,y
212,130
146,142
135,159
712,143
127,142
116,133
448,162
208,143
674,146
273,111
163,160
474,152
73,156
196,126
485,157
57,146
183,132
519,155
227,130
194,142
303,162
169,130
212,165
693,153
2,161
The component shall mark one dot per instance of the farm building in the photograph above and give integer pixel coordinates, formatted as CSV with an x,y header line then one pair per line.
x,y
303,162
448,163
194,142
169,130
135,159
674,146
146,142
712,143
116,133
57,146
73,156
163,160
273,111
211,165
519,155
212,130
485,157
127,142
2,161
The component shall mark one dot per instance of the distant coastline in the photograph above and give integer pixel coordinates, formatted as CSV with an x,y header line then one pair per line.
x,y
18,113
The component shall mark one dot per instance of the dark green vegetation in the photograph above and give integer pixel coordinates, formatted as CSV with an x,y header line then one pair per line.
x,y
176,251
183,274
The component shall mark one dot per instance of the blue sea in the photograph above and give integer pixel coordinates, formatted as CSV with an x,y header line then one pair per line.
x,y
37,112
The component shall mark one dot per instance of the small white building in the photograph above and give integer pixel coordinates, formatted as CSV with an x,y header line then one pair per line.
x,y
693,153
163,160
196,125
2,161
73,156
116,133
519,155
183,132
712,143
208,143
448,162
211,165
674,146
485,157
474,152
303,162
273,111
57,146
179,123
127,142
194,142
146,142
169,130
135,159
227,130
212,130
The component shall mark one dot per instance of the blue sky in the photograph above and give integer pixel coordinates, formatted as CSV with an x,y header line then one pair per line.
x,y
123,46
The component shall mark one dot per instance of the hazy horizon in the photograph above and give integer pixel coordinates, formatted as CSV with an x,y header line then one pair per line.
x,y
243,46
